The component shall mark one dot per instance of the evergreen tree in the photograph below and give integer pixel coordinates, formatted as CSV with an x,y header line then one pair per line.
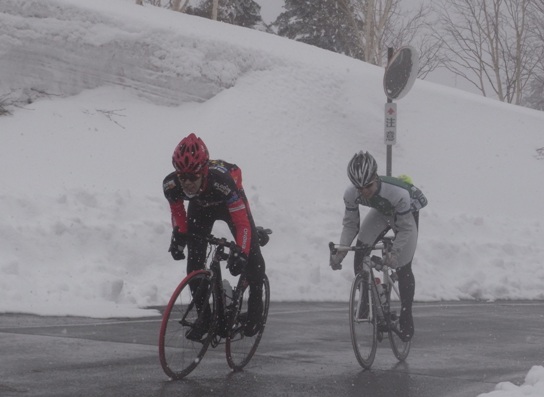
x,y
322,23
535,97
244,13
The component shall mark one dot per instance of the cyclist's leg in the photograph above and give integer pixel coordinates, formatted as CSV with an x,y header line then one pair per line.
x,y
407,287
373,226
359,256
200,221
255,273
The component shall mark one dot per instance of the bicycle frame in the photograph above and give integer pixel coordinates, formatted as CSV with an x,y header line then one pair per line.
x,y
224,312
389,277
198,303
376,314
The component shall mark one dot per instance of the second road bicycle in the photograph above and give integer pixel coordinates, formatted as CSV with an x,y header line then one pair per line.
x,y
374,304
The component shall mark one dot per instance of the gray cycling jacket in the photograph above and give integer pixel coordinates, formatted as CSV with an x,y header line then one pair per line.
x,y
391,207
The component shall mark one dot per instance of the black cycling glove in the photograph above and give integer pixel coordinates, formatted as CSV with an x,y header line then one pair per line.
x,y
177,244
237,262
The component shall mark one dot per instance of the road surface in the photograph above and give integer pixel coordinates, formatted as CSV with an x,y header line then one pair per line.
x,y
460,349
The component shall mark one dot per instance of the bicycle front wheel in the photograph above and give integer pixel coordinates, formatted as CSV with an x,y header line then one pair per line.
x,y
400,348
178,354
241,345
363,322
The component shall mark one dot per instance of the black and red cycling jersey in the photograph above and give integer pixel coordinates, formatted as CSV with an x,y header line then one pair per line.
x,y
221,187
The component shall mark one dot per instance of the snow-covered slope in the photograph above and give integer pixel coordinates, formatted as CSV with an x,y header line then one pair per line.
x,y
85,228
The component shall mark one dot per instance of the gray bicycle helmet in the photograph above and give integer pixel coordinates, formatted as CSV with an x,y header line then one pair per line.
x,y
361,169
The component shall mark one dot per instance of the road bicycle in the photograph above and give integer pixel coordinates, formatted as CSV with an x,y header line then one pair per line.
x,y
203,293
374,304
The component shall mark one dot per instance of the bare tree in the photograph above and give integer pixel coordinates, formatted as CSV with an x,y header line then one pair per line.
x,y
179,5
215,8
174,5
385,24
490,43
414,28
534,98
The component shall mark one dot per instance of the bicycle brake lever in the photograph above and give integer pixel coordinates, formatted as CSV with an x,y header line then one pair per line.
x,y
224,256
267,231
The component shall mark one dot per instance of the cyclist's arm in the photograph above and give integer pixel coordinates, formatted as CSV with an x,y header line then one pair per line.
x,y
239,215
226,187
351,221
179,216
174,194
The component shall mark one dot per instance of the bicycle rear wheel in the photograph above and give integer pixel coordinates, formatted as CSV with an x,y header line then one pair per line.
x,y
240,346
178,354
400,348
363,322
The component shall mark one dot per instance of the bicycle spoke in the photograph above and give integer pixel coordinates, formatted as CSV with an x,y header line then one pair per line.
x,y
191,321
379,318
179,355
242,345
400,348
363,325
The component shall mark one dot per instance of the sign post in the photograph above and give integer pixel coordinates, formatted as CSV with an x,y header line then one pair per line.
x,y
390,123
400,75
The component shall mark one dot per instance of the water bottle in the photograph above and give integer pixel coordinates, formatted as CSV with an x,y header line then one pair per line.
x,y
379,288
227,291
379,285
383,298
381,291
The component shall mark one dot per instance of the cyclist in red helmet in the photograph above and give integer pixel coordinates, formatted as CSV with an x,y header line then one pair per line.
x,y
213,190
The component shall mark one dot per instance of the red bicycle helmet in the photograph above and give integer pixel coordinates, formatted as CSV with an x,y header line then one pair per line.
x,y
191,155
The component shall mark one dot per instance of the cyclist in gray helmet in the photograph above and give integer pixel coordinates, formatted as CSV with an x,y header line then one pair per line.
x,y
394,204
362,169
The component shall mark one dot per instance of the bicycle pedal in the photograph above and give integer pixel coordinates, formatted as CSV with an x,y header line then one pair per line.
x,y
215,341
252,331
237,333
383,327
195,338
242,318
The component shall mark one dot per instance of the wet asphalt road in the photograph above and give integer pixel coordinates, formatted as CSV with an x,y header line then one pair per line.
x,y
460,349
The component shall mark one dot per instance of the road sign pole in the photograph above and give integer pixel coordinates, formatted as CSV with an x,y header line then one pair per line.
x,y
389,159
390,129
400,75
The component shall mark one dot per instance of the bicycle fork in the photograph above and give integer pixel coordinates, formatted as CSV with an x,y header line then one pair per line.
x,y
361,305
366,295
233,310
380,294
